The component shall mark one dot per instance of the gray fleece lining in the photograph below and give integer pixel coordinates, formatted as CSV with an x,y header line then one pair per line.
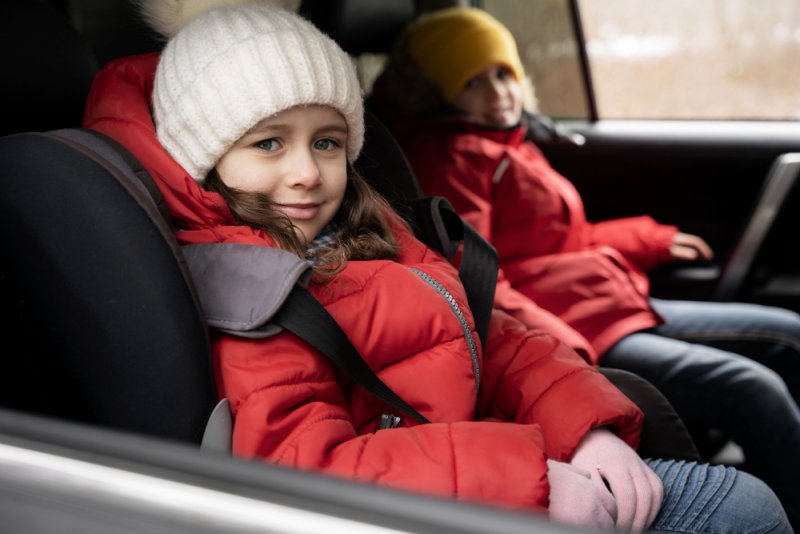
x,y
241,287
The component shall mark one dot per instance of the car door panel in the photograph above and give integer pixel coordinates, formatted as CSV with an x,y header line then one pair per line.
x,y
704,177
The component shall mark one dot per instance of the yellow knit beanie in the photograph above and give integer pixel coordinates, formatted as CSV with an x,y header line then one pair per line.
x,y
452,45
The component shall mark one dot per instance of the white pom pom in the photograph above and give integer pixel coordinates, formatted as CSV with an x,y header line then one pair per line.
x,y
167,17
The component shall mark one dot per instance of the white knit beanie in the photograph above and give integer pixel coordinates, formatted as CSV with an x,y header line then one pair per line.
x,y
230,67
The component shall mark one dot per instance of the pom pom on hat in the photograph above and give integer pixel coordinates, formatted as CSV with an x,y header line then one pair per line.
x,y
227,68
167,17
452,45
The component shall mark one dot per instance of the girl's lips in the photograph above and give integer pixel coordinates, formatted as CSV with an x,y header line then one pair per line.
x,y
299,212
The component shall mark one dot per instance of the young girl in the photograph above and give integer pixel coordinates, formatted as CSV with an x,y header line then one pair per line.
x,y
458,75
256,120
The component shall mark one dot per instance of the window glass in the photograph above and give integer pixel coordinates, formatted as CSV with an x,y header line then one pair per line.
x,y
694,59
548,50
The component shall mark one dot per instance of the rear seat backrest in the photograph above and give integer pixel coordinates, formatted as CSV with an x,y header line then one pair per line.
x,y
360,26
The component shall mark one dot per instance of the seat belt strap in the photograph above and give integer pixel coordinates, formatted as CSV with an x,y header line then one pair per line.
x,y
304,316
436,223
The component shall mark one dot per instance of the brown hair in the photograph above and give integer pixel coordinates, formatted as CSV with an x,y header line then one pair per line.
x,y
364,231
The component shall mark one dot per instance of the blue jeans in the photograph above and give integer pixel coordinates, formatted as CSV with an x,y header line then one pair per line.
x,y
733,367
715,499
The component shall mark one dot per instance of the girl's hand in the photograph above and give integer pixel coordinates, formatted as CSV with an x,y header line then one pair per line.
x,y
688,247
637,490
578,498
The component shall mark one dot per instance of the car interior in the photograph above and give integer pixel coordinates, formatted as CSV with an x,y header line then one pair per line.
x,y
85,274
108,352
110,361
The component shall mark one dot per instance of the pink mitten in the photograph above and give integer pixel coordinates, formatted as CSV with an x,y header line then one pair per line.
x,y
636,488
577,499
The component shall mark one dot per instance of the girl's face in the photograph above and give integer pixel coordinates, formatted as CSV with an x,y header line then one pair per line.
x,y
493,97
298,159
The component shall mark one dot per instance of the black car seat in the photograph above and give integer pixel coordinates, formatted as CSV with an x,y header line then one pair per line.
x,y
98,321
105,325
361,26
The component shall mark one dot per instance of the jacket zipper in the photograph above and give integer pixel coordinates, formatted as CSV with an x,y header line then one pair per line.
x,y
473,349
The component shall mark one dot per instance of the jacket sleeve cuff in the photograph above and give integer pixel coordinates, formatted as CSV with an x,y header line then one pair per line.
x,y
567,414
662,242
505,465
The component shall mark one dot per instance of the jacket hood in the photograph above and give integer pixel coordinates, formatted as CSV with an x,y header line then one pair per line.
x,y
119,106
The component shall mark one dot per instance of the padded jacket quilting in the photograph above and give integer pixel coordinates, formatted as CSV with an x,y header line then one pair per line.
x,y
537,398
552,260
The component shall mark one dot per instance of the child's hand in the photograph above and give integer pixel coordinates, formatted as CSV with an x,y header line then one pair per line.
x,y
637,490
688,247
578,498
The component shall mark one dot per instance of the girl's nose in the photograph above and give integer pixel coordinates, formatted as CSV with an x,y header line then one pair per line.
x,y
304,171
495,89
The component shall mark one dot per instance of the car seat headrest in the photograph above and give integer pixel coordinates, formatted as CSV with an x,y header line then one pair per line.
x,y
360,26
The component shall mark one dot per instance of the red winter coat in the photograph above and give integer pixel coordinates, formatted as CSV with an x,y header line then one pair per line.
x,y
537,398
553,261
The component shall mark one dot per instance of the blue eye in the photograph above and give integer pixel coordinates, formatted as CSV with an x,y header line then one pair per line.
x,y
270,145
326,143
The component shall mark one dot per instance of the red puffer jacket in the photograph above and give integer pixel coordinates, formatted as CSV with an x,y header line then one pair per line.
x,y
536,399
587,274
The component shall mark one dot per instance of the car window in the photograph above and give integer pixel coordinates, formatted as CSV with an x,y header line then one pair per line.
x,y
694,59
675,59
